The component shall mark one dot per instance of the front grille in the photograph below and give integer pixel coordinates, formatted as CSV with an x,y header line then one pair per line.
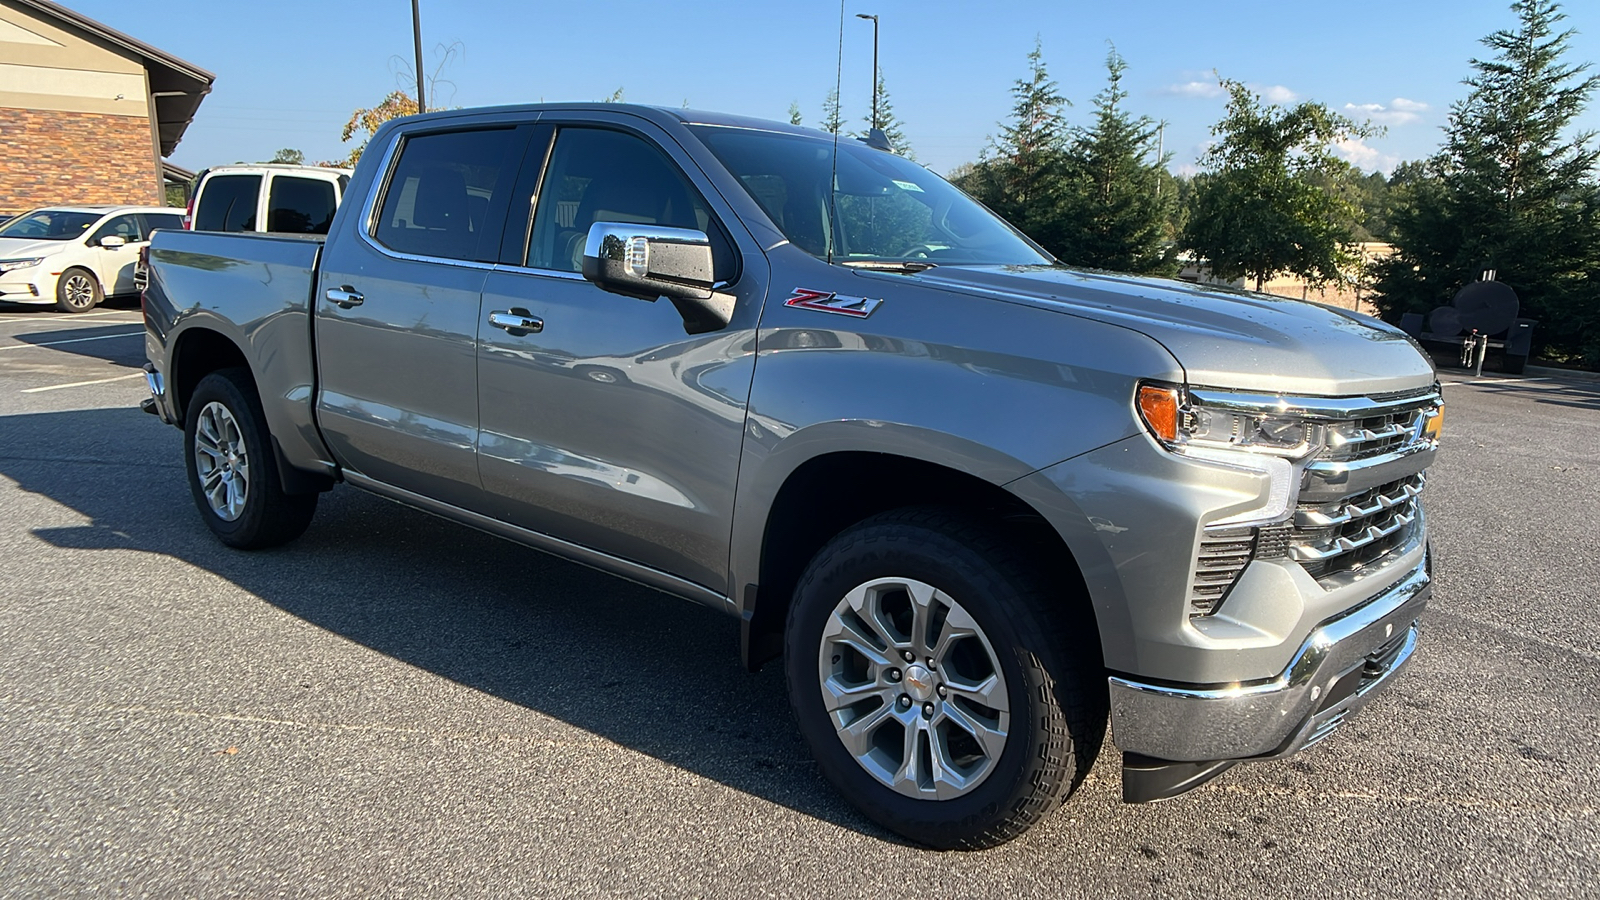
x,y
1338,530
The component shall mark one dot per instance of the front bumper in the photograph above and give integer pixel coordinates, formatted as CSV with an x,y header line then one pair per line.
x,y
1339,667
19,291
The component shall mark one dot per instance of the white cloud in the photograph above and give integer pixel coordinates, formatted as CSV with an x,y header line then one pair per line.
x,y
1201,89
1188,170
1275,93
1400,111
1356,152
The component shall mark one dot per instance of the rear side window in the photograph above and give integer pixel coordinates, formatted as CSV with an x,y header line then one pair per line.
x,y
300,205
438,199
228,203
172,221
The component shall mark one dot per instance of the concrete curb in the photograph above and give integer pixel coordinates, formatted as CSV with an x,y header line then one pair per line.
x,y
1549,372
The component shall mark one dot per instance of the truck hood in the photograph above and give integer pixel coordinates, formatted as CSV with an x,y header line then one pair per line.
x,y
28,248
1222,337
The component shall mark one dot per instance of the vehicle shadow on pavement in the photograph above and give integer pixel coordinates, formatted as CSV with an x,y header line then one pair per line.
x,y
652,673
118,343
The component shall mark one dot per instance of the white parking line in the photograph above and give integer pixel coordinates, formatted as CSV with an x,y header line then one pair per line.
x,y
74,317
57,387
103,337
1494,381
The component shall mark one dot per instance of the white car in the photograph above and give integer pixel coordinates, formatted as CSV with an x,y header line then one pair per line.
x,y
76,256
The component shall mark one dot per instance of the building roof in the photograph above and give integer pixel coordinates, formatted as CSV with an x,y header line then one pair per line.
x,y
176,86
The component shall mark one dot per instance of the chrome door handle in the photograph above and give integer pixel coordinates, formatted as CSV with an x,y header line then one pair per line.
x,y
516,320
346,296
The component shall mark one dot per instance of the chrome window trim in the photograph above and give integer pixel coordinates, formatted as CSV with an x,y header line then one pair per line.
x,y
1333,408
546,273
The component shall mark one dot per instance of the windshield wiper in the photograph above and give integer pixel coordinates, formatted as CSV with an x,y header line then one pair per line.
x,y
906,266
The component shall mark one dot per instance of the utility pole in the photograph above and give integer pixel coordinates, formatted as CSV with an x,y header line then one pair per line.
x,y
874,66
416,33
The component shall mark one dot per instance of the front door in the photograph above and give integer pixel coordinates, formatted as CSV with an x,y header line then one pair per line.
x,y
114,265
398,309
612,427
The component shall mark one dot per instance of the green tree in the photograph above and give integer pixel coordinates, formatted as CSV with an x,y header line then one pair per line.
x,y
1513,189
888,123
1020,175
1261,205
832,122
1116,215
795,117
288,156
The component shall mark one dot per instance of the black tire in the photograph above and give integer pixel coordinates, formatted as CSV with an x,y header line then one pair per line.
x,y
78,291
267,517
1042,635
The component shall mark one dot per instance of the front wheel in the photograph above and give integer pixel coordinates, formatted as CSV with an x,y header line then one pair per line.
x,y
943,684
232,473
78,291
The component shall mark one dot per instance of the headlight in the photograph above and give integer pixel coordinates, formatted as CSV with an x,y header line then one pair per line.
x,y
11,265
1255,441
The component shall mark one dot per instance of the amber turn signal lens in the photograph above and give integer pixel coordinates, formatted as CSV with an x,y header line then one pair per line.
x,y
1159,407
1435,426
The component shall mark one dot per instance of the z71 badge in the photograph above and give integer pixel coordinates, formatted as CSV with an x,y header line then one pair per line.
x,y
826,301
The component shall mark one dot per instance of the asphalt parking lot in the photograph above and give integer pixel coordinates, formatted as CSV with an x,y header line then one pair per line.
x,y
398,706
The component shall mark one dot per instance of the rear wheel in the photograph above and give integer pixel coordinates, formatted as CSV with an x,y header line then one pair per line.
x,y
944,686
232,472
77,291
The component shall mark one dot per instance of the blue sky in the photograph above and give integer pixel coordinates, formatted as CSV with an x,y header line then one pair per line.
x,y
289,73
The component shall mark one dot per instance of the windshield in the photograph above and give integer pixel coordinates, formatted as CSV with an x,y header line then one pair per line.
x,y
50,225
886,209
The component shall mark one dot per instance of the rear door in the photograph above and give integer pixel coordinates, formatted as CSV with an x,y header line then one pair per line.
x,y
398,311
612,427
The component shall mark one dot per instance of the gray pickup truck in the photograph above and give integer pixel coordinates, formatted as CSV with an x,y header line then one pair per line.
x,y
981,504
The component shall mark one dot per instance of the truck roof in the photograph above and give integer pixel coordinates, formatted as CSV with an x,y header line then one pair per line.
x,y
663,115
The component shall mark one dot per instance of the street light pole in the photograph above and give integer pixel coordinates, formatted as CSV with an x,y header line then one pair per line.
x,y
416,33
874,65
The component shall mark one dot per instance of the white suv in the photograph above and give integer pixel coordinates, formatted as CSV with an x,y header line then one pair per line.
x,y
76,256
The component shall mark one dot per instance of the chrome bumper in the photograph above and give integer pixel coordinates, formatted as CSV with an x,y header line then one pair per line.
x,y
1338,668
156,404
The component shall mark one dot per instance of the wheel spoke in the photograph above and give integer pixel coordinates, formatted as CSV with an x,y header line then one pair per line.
x,y
922,600
837,695
865,603
991,740
982,691
857,736
843,631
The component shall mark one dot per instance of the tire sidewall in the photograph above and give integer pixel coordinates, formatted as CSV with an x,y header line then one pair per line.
x,y
96,295
221,387
937,560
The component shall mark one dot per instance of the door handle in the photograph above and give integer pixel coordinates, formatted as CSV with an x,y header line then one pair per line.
x,y
346,296
516,320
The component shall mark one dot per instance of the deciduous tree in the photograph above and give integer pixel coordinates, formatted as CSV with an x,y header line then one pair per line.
x,y
1258,207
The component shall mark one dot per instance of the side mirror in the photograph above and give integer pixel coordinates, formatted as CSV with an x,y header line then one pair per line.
x,y
113,241
652,261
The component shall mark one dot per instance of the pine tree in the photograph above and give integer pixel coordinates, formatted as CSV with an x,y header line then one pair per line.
x,y
888,123
795,118
1513,189
1116,215
1261,206
1020,174
832,122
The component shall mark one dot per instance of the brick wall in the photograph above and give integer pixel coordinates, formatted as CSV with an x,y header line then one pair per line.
x,y
50,158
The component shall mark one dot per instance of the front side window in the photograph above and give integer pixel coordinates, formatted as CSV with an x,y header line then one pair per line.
x,y
300,205
597,175
125,227
228,203
50,225
881,208
439,196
